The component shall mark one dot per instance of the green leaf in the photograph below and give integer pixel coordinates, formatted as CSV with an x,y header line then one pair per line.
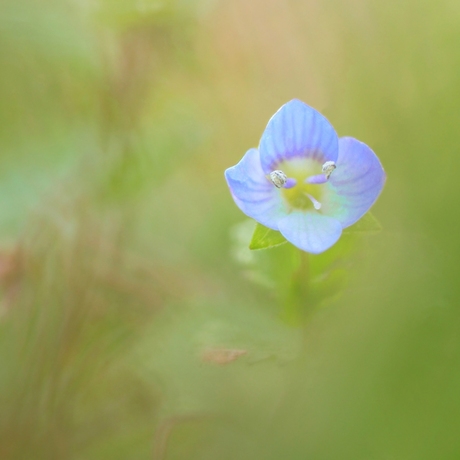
x,y
264,238
367,224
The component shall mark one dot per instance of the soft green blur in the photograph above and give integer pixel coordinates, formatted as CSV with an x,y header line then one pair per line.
x,y
133,325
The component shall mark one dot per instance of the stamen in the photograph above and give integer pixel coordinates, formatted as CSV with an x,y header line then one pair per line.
x,y
328,168
316,203
278,178
290,183
318,179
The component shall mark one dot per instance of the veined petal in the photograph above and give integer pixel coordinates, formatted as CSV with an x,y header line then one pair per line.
x,y
356,183
297,131
310,231
253,193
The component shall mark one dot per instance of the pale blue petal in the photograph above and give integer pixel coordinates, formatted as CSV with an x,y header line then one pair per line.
x,y
355,184
297,131
253,193
310,231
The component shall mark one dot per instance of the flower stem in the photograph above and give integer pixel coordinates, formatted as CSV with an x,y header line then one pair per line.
x,y
298,306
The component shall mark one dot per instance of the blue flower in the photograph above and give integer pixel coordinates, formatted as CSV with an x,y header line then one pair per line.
x,y
304,181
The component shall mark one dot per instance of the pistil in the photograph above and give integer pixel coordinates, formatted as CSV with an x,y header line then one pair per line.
x,y
316,203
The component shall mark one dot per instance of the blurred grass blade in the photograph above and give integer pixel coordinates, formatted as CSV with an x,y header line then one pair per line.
x,y
264,238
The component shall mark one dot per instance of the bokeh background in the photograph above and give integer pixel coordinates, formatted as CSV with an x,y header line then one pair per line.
x,y
131,326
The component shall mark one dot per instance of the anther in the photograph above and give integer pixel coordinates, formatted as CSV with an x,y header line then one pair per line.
x,y
328,168
278,178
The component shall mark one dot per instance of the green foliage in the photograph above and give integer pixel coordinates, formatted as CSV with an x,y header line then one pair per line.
x,y
264,238
131,327
302,282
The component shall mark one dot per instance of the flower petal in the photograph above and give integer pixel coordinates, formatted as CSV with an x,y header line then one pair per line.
x,y
310,231
253,193
297,130
356,183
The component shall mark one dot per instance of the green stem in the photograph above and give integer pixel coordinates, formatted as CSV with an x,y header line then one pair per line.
x,y
297,307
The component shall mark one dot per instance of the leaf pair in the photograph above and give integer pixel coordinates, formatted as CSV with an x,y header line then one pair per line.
x,y
265,238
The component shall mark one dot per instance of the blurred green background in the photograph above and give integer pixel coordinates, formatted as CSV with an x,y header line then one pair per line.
x,y
131,327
